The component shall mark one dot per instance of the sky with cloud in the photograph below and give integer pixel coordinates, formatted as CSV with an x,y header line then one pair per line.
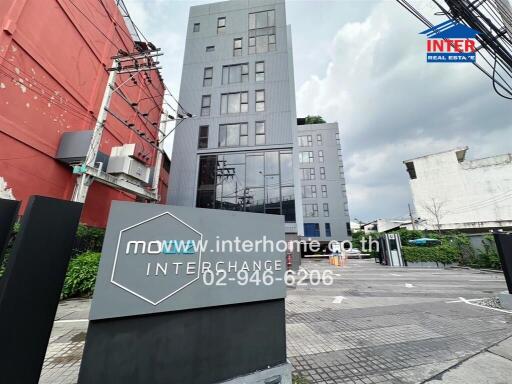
x,y
362,63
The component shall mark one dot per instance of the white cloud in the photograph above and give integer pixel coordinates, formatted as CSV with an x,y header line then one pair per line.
x,y
392,105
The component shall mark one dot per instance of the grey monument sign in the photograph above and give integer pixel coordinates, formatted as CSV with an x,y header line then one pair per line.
x,y
159,258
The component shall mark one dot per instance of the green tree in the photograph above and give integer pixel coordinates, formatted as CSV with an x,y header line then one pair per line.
x,y
314,119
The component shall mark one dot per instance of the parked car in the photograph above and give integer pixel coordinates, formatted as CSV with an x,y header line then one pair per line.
x,y
353,253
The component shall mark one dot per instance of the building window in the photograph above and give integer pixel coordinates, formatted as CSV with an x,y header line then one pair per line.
x,y
231,135
308,191
221,25
207,77
260,100
238,73
260,132
307,174
349,230
305,141
258,181
409,167
262,32
310,210
234,103
260,71
328,230
197,26
210,48
203,137
319,139
322,173
324,190
205,105
262,44
311,229
206,182
338,138
263,19
326,209
306,157
237,47
321,156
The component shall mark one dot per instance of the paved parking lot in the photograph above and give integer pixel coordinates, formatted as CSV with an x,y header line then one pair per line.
x,y
378,324
374,324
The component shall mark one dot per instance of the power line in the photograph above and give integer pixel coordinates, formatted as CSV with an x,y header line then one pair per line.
x,y
117,47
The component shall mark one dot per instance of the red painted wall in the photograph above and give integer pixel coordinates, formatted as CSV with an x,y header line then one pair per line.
x,y
53,60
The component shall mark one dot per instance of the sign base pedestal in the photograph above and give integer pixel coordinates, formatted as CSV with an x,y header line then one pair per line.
x,y
282,374
505,300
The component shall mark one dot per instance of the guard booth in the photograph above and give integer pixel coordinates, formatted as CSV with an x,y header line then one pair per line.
x,y
390,250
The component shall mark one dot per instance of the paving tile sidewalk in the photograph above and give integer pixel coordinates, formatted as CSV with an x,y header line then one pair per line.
x,y
391,325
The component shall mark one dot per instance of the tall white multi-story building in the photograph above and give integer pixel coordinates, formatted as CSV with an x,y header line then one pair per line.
x,y
452,192
238,154
324,194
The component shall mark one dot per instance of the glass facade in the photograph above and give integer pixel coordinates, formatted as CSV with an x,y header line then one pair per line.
x,y
248,181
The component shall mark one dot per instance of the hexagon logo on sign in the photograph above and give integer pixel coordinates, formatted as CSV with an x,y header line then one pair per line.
x,y
157,258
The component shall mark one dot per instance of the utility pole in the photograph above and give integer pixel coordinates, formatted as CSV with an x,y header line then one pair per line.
x,y
122,63
84,181
158,162
412,220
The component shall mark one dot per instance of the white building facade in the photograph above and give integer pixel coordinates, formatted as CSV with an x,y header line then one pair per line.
x,y
451,192
238,154
323,189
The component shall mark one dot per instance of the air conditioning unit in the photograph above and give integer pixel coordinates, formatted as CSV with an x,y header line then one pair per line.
x,y
121,162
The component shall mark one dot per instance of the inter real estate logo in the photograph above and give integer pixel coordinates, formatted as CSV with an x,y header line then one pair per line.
x,y
451,42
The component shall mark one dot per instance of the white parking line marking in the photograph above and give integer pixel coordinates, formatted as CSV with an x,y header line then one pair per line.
x,y
470,302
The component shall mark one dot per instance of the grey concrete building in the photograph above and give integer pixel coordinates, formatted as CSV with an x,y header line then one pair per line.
x,y
322,180
238,154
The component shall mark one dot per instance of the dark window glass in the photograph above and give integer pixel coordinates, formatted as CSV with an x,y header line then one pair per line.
x,y
205,199
203,137
207,172
327,229
197,26
311,229
288,203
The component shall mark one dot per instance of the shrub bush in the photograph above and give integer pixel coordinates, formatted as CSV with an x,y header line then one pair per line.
x,y
88,239
81,275
444,253
488,256
406,235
